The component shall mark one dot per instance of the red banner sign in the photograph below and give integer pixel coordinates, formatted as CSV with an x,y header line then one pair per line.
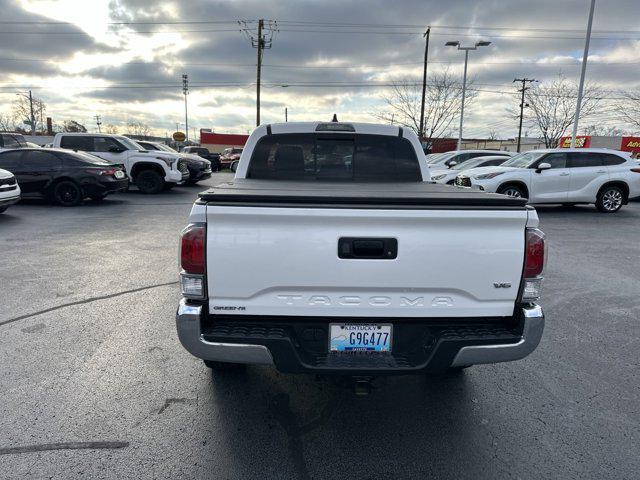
x,y
630,144
582,141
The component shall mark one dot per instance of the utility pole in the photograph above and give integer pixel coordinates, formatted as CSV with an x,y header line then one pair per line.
x,y
286,115
98,122
259,71
522,105
424,82
585,56
261,41
185,91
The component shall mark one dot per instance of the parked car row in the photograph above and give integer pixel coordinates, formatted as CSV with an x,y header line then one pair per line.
x,y
78,166
606,178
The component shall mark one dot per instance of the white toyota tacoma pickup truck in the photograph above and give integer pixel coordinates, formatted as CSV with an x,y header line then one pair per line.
x,y
333,252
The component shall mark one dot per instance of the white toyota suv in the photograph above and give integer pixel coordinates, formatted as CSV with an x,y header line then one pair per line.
x,y
606,178
150,171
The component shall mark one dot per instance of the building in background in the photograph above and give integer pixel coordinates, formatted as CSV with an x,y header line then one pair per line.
x,y
217,142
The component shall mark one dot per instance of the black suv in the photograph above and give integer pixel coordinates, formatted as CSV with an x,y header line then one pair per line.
x,y
63,176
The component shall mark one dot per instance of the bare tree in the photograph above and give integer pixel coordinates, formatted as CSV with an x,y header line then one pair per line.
x,y
21,112
6,122
138,128
553,105
628,110
442,103
73,126
110,128
598,130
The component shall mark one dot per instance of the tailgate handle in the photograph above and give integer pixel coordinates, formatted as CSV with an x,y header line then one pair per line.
x,y
367,248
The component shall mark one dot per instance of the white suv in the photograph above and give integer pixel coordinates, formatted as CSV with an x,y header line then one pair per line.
x,y
150,171
607,178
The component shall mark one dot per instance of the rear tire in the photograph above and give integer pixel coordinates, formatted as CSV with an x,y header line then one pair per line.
x,y
224,366
149,182
67,193
512,191
234,166
610,199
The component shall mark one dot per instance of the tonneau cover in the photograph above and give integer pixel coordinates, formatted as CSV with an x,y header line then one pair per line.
x,y
343,194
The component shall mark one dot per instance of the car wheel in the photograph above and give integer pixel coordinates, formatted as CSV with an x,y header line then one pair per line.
x,y
224,366
67,193
234,166
149,181
511,191
610,199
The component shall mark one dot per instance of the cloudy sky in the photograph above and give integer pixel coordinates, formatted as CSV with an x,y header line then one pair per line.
x,y
123,59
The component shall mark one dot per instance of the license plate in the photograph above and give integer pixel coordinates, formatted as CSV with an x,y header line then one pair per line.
x,y
119,174
360,337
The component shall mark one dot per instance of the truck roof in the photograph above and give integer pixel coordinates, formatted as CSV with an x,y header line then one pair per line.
x,y
249,192
310,127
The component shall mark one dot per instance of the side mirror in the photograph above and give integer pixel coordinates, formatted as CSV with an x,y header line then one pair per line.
x,y
114,149
452,163
543,166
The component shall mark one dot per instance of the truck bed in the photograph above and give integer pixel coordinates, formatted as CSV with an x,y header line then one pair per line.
x,y
247,192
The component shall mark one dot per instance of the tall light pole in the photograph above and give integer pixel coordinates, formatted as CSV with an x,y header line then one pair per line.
x,y
424,82
185,91
464,80
585,56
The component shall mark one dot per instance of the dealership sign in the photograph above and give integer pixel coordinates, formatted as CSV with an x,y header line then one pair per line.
x,y
630,144
582,141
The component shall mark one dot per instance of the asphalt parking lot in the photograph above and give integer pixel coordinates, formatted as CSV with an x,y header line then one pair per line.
x,y
94,382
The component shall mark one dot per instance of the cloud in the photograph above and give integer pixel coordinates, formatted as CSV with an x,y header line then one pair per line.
x,y
220,61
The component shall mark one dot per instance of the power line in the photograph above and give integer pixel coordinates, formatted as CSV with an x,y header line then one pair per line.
x,y
329,25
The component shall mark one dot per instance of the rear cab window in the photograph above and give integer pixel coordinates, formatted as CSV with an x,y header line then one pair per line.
x,y
334,157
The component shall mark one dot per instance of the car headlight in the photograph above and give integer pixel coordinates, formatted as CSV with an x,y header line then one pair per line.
x,y
486,176
439,177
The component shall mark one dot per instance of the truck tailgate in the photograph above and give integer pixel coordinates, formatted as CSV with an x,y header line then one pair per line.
x,y
284,260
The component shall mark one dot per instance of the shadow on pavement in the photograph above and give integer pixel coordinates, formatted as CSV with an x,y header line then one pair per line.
x,y
410,426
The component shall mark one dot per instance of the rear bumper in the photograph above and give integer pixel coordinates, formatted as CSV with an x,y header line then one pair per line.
x,y
301,346
105,187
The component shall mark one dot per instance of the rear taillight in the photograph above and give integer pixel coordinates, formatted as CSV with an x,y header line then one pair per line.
x,y
534,261
192,261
